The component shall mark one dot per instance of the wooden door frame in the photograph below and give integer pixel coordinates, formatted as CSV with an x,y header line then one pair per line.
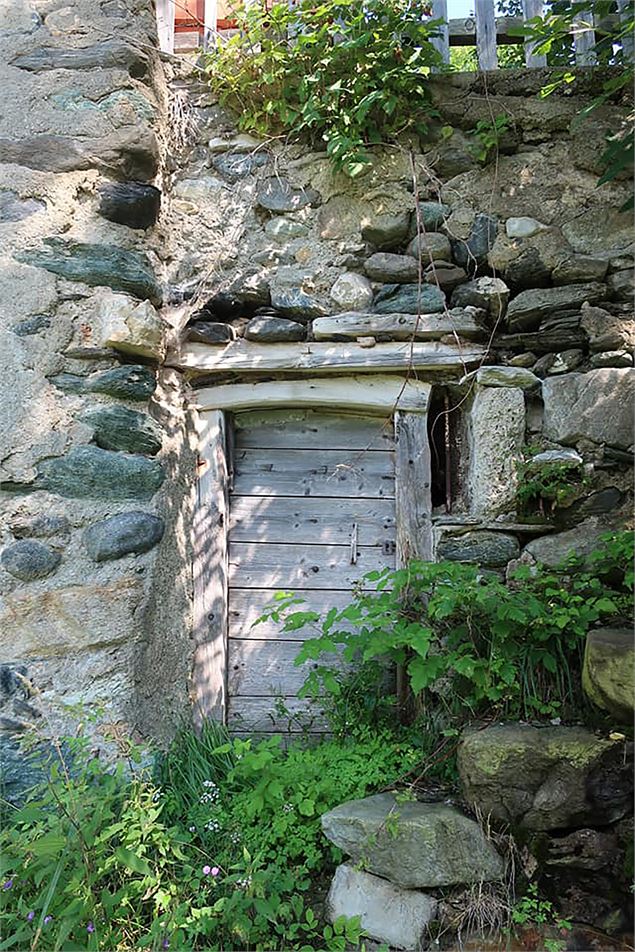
x,y
405,400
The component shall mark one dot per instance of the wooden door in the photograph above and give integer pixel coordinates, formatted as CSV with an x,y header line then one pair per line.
x,y
311,510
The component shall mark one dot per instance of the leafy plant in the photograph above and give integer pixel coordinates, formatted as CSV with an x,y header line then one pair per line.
x,y
225,851
346,74
487,135
468,641
555,483
533,910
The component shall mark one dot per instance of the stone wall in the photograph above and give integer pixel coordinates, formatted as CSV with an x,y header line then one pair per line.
x,y
524,318
136,225
95,461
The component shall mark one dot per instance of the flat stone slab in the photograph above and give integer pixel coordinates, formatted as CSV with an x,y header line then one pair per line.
x,y
389,914
596,406
527,309
413,844
98,266
88,471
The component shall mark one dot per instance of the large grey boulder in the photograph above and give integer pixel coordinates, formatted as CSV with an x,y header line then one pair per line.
x,y
409,299
430,246
413,844
28,559
581,541
353,292
278,196
127,533
596,406
527,309
545,778
87,471
608,672
490,549
386,230
395,269
389,914
97,265
491,294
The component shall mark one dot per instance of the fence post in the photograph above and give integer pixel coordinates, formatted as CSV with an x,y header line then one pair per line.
x,y
625,9
442,41
486,34
209,18
531,9
165,25
584,40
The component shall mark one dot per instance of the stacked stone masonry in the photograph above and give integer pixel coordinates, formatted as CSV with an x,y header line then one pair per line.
x,y
148,248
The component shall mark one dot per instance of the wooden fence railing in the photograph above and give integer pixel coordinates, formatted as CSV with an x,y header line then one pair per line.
x,y
484,30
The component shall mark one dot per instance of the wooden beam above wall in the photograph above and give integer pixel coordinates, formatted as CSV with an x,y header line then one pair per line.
x,y
247,357
374,394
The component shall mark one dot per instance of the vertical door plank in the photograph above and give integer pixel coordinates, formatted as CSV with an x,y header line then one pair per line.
x,y
531,9
413,499
209,673
486,34
442,41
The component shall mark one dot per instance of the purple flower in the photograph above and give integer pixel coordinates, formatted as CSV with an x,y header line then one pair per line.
x,y
90,927
8,884
166,943
215,870
30,916
47,919
207,870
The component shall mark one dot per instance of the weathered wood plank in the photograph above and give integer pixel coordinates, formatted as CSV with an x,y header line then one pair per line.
x,y
312,429
376,394
486,34
210,571
625,8
278,472
246,357
531,9
294,567
267,669
318,521
248,604
413,501
353,324
584,40
281,715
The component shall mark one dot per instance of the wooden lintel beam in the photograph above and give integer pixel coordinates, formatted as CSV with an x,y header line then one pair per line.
x,y
246,357
373,394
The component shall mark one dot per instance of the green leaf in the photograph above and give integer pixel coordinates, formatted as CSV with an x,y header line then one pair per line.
x,y
132,862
